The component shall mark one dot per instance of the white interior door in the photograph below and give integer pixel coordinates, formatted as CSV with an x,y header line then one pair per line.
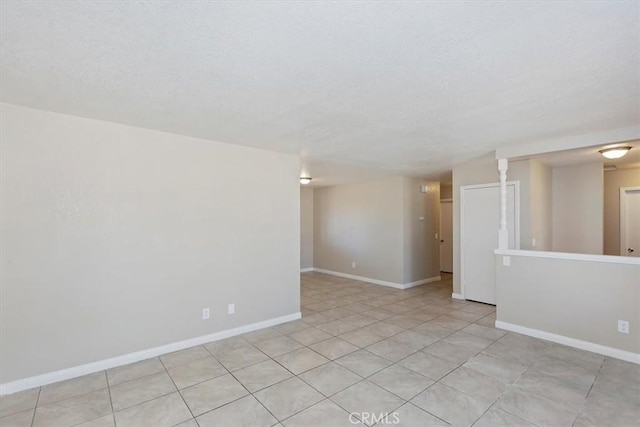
x,y
630,221
446,237
479,224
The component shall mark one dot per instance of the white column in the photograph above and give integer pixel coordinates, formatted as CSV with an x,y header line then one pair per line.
x,y
503,233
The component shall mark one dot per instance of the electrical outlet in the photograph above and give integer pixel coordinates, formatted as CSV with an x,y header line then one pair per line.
x,y
353,264
506,261
533,242
623,326
232,308
205,313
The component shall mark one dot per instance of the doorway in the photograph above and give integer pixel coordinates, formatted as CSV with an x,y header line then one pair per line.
x,y
479,224
446,235
629,224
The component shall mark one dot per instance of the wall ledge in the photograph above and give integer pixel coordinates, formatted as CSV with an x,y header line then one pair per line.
x,y
571,342
125,359
570,256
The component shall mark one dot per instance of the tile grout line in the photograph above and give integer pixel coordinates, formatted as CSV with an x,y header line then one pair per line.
x,y
513,385
256,398
589,391
150,399
301,379
250,393
437,381
113,413
177,389
405,401
35,408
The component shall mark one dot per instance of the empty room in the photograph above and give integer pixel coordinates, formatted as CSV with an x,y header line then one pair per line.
x,y
319,213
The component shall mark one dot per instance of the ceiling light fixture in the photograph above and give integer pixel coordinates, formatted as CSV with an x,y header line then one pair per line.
x,y
305,180
614,152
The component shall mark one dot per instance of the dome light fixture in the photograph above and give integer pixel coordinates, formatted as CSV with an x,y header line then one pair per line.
x,y
615,152
305,180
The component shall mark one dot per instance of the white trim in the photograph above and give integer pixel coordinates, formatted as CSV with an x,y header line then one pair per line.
x,y
362,279
125,359
623,217
503,233
379,282
516,214
614,259
306,270
457,296
421,282
571,342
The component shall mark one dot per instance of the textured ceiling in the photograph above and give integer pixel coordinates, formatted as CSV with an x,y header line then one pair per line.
x,y
355,88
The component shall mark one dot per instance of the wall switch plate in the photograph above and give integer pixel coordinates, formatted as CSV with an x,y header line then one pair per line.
x,y
506,261
421,218
205,313
232,308
436,236
353,264
533,242
623,326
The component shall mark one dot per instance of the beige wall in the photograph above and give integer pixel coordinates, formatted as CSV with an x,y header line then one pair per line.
x,y
577,299
613,181
114,238
421,248
306,228
484,171
361,223
377,225
541,213
577,208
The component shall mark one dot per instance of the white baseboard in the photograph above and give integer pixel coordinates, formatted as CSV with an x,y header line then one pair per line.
x,y
362,279
125,359
421,282
378,282
306,270
457,296
571,342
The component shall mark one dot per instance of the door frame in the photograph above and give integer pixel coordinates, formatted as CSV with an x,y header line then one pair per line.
x,y
623,222
516,226
448,201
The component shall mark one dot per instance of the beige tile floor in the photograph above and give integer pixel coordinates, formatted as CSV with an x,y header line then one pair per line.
x,y
416,354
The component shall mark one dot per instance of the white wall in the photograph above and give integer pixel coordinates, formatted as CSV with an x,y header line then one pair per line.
x,y
361,223
306,228
577,208
115,237
613,181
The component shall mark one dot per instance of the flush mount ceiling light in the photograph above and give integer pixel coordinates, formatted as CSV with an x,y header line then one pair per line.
x,y
305,180
614,152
